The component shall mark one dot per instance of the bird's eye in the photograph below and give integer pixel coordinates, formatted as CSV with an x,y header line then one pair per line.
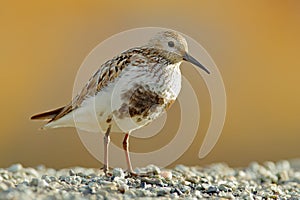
x,y
171,44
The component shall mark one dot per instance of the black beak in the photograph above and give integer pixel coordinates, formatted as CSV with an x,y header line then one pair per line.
x,y
192,60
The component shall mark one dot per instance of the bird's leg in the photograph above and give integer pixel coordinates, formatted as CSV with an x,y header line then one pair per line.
x,y
125,147
106,143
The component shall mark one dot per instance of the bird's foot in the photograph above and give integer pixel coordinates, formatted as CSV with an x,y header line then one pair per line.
x,y
131,174
106,171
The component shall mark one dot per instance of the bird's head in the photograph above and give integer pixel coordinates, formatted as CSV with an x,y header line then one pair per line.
x,y
175,46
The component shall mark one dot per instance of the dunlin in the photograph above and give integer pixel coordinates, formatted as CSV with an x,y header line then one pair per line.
x,y
148,79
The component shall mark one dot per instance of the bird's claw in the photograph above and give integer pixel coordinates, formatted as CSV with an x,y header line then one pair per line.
x,y
106,171
131,174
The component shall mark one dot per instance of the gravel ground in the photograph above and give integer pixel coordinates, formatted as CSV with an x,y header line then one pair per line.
x,y
279,180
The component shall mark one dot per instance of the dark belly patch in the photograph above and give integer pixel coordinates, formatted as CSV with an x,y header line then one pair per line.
x,y
140,102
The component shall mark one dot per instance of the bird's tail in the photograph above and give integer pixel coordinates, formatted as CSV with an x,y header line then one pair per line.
x,y
48,115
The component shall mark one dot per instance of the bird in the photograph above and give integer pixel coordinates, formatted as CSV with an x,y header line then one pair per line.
x,y
128,91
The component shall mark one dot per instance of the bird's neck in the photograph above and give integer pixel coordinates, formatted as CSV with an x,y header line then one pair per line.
x,y
167,79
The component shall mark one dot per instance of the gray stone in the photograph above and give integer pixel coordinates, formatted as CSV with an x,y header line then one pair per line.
x,y
212,189
72,172
52,178
154,169
15,168
118,172
223,188
34,182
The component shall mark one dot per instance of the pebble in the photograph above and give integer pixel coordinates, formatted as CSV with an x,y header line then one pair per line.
x,y
150,169
283,165
72,172
212,189
283,176
32,172
123,188
166,174
154,169
52,178
15,168
22,187
3,187
223,188
162,191
118,172
185,189
198,194
6,176
34,182
270,165
43,183
152,181
46,178
182,168
268,181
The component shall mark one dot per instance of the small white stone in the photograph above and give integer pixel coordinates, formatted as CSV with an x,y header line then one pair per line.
x,y
284,176
118,172
14,168
153,168
270,165
242,174
182,168
198,194
3,187
32,172
283,165
43,183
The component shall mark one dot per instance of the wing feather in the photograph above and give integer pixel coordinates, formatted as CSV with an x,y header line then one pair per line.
x,y
106,74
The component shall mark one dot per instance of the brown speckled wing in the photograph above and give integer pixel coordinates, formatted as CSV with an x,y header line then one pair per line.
x,y
104,75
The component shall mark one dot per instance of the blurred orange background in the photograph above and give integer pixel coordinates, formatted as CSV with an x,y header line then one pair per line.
x,y
255,45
